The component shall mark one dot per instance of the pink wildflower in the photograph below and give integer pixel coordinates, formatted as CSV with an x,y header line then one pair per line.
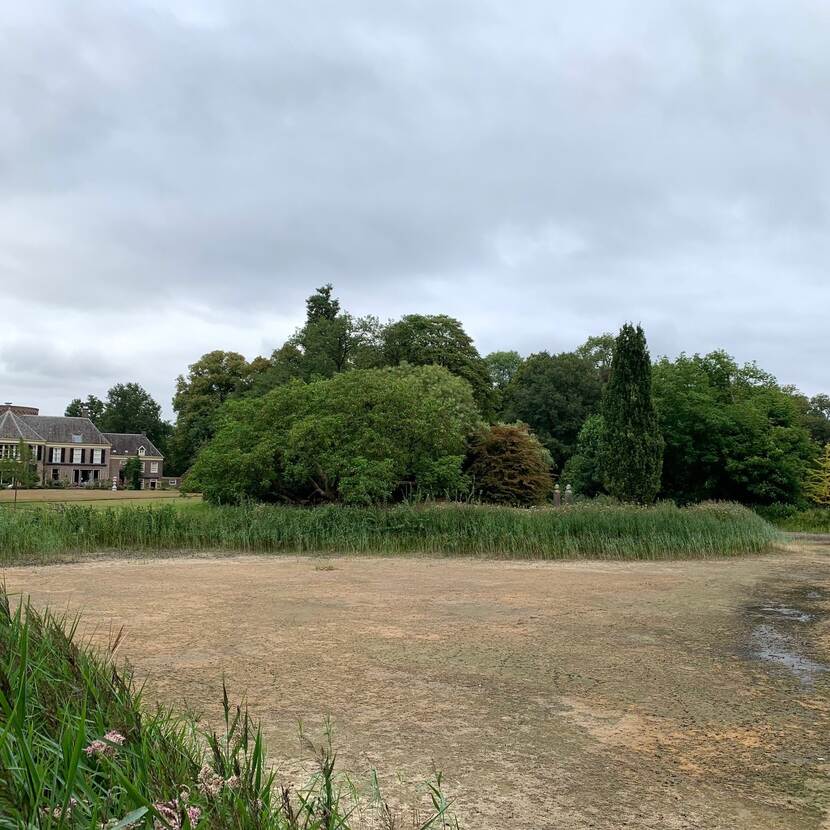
x,y
193,815
210,783
107,746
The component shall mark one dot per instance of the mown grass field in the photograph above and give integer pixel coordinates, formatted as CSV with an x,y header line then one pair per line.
x,y
105,498
585,530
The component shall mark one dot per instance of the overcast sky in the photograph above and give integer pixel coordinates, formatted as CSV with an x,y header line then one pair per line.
x,y
177,177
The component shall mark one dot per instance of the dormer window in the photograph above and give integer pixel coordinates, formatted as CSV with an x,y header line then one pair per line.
x,y
141,451
77,438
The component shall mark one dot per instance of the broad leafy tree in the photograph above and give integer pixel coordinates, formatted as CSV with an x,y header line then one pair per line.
x,y
553,394
423,340
92,408
130,408
632,454
598,350
209,382
731,432
362,437
583,471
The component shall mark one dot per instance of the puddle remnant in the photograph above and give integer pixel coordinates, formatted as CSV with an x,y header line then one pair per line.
x,y
772,640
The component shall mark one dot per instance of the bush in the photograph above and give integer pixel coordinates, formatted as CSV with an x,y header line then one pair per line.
x,y
362,437
508,465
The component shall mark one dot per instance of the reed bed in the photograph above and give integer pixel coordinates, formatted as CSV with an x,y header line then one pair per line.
x,y
583,530
79,748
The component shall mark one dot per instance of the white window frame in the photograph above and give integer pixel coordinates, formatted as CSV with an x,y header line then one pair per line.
x,y
97,456
76,455
141,451
154,466
56,455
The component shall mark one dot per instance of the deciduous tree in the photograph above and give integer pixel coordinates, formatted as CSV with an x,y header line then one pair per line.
x,y
365,436
553,394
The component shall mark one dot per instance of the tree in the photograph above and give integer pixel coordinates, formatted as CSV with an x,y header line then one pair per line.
x,y
210,381
502,367
362,437
583,471
598,350
92,408
422,340
18,468
331,341
815,416
132,472
731,432
130,408
508,465
632,453
817,487
554,394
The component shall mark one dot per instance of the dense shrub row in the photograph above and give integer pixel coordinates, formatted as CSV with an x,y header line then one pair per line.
x,y
588,529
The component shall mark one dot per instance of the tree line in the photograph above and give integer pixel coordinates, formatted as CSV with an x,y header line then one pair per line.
x,y
354,410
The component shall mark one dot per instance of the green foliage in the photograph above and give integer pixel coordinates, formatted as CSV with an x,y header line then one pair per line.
x,y
508,465
361,437
92,408
792,518
632,452
730,432
79,749
583,471
502,367
132,472
210,381
21,470
331,341
815,416
423,340
130,408
598,350
553,394
817,486
585,529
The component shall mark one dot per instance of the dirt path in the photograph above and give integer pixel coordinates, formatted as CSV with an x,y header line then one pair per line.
x,y
555,695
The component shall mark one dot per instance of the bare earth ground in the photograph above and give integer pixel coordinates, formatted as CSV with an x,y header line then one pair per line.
x,y
552,695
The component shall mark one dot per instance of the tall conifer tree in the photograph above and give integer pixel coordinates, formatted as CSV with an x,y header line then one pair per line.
x,y
632,457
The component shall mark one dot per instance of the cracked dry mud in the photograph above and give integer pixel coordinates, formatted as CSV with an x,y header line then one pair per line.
x,y
552,695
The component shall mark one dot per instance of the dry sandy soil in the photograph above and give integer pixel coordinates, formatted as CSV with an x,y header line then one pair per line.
x,y
552,695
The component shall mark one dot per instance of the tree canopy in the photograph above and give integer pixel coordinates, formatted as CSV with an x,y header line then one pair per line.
x,y
365,436
731,432
553,394
422,340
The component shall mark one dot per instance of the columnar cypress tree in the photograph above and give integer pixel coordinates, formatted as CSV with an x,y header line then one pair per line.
x,y
818,480
632,456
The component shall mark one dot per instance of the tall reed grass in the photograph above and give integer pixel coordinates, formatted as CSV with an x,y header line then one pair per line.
x,y
583,530
80,749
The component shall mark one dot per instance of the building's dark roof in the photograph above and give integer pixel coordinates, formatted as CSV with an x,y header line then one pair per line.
x,y
57,430
128,443
14,427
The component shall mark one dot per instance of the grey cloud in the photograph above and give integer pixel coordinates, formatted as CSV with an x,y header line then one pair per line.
x,y
540,170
